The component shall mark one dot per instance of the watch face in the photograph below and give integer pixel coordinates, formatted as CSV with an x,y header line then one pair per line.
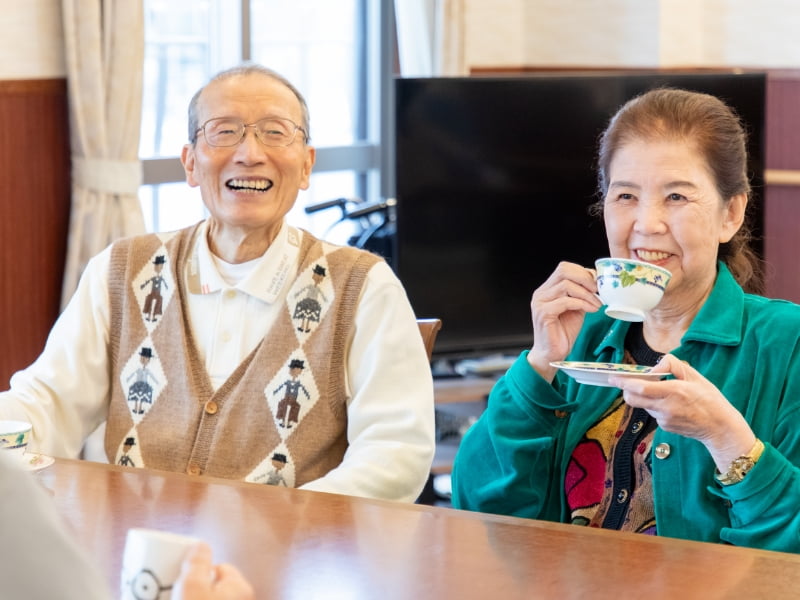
x,y
740,467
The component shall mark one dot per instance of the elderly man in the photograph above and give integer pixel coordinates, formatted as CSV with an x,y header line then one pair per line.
x,y
244,298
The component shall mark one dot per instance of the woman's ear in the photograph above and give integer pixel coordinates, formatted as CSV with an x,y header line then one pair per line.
x,y
733,218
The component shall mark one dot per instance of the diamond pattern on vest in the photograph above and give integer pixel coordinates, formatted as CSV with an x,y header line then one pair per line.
x,y
142,376
128,454
154,287
309,299
291,394
143,379
276,469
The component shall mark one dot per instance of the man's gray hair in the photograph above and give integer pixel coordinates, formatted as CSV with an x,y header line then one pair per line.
x,y
247,68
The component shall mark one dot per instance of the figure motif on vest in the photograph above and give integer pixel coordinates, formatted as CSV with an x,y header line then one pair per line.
x,y
141,392
125,460
289,408
308,310
275,477
153,302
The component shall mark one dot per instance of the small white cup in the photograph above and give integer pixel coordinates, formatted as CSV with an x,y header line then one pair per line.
x,y
14,437
152,562
630,288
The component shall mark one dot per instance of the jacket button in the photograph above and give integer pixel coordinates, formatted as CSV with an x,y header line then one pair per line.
x,y
662,451
211,407
193,470
560,414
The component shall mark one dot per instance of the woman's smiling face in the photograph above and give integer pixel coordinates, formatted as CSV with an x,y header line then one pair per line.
x,y
662,206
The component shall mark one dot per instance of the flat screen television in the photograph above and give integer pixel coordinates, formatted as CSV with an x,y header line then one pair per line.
x,y
494,176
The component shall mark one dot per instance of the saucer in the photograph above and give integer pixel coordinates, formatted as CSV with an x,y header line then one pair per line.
x,y
32,461
593,373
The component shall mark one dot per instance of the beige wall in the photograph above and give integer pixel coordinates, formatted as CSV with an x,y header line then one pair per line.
x,y
638,33
31,45
631,33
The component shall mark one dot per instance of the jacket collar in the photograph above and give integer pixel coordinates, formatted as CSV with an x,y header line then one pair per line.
x,y
718,322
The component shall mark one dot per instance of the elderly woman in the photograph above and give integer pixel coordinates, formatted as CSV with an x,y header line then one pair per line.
x,y
711,452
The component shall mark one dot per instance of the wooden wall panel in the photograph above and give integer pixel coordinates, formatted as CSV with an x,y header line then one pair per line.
x,y
782,241
782,177
34,215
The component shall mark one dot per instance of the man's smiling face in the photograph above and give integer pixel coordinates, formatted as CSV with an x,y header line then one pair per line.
x,y
248,186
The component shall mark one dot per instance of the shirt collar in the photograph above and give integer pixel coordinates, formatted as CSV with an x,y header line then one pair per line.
x,y
265,280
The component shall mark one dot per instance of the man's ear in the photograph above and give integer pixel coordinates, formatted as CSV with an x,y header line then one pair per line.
x,y
187,160
734,217
308,165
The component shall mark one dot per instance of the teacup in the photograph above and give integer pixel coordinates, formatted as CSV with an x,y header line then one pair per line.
x,y
14,437
629,288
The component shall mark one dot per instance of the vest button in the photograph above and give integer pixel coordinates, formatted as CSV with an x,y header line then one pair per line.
x,y
211,407
662,451
193,470
622,496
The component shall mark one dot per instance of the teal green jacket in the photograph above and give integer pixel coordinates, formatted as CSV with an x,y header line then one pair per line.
x,y
513,460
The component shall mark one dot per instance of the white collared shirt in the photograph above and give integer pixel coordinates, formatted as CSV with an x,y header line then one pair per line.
x,y
229,321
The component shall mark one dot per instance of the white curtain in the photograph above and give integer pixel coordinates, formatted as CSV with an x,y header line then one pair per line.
x,y
104,49
430,37
449,52
414,24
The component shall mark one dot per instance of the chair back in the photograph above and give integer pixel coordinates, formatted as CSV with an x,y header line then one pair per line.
x,y
429,328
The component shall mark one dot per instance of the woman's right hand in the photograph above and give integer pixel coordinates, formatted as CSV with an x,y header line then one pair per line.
x,y
558,308
200,579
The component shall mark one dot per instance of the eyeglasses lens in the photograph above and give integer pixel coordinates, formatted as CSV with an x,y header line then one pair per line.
x,y
229,132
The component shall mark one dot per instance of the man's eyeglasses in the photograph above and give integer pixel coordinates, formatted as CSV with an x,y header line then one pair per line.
x,y
271,131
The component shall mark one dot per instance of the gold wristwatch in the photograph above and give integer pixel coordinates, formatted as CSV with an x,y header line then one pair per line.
x,y
742,465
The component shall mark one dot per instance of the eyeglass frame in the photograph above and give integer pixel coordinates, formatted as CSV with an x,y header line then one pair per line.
x,y
253,124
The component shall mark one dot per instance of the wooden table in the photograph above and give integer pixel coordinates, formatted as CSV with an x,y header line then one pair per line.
x,y
302,545
462,389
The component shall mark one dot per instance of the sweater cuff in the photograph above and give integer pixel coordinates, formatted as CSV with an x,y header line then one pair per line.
x,y
534,390
759,490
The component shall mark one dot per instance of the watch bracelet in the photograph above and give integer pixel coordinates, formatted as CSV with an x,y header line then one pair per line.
x,y
734,473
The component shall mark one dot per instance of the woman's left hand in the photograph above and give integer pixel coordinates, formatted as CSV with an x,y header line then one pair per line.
x,y
691,406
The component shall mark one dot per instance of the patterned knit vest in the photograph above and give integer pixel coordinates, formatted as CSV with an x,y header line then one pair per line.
x,y
280,418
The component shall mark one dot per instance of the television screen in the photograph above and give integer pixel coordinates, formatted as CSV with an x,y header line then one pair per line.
x,y
494,179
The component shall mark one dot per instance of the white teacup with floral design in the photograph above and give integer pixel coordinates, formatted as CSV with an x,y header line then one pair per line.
x,y
14,436
629,288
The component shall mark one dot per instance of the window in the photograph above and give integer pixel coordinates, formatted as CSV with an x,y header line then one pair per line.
x,y
334,52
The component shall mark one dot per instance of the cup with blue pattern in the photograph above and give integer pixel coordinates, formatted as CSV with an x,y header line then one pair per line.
x,y
630,288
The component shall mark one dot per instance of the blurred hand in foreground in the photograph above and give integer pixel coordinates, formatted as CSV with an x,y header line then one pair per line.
x,y
200,579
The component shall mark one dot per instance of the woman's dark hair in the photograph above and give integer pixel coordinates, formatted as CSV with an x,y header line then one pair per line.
x,y
708,124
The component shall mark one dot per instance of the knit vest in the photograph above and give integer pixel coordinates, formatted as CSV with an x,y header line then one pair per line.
x,y
280,418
